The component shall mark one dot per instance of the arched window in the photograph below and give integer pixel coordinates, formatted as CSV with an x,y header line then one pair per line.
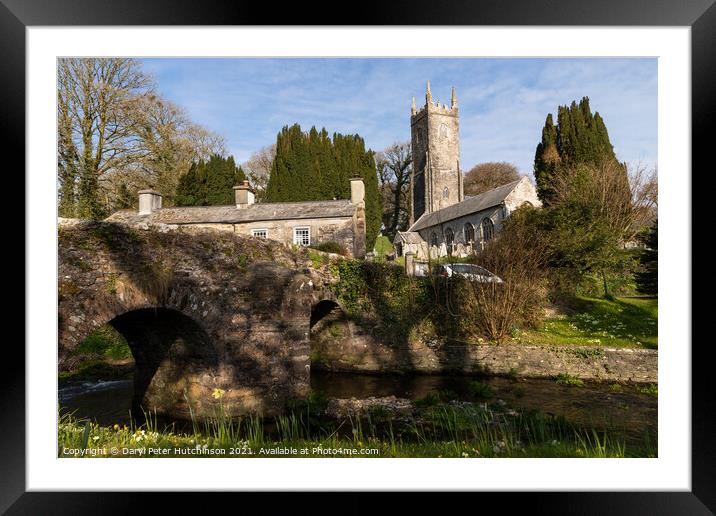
x,y
434,239
488,229
449,236
446,193
469,233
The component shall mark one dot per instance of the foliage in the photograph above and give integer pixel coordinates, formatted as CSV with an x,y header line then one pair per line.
x,y
258,169
394,167
383,246
443,430
486,176
519,258
312,166
647,279
106,342
579,137
209,183
568,379
116,135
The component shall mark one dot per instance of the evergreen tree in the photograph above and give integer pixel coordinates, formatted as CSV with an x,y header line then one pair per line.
x,y
647,279
579,137
209,183
312,166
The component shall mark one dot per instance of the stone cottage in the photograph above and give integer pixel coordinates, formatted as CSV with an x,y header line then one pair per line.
x,y
442,220
301,223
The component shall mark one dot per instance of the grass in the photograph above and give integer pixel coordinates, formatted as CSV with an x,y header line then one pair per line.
x,y
443,430
106,342
622,322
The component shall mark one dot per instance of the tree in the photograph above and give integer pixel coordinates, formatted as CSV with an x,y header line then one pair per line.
x,y
593,214
312,166
116,136
647,279
579,137
486,176
394,166
209,183
258,169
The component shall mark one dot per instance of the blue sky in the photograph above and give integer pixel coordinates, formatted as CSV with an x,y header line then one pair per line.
x,y
503,102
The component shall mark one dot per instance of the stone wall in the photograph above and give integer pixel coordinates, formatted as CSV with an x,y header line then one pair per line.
x,y
338,344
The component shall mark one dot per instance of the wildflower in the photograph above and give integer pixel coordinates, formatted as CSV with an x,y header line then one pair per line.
x,y
116,427
95,438
464,454
218,393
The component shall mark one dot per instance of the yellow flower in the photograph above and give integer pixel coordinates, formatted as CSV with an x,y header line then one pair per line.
x,y
218,393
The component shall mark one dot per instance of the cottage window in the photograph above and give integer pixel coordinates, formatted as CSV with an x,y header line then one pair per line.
x,y
469,233
488,229
259,233
302,236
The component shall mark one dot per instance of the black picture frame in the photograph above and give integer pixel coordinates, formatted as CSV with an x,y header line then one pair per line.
x,y
700,15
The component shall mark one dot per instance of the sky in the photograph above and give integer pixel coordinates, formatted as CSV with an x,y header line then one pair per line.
x,y
503,102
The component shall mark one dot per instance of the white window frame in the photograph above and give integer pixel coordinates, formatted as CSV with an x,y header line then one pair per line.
x,y
259,230
295,233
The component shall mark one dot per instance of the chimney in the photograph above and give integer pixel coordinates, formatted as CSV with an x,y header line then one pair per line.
x,y
357,190
244,195
149,201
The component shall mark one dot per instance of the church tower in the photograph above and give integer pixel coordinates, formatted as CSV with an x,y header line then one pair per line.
x,y
436,181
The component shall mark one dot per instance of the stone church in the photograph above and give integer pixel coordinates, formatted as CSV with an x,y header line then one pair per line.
x,y
299,223
442,220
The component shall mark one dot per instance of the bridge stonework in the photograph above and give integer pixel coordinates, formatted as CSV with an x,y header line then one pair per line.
x,y
201,310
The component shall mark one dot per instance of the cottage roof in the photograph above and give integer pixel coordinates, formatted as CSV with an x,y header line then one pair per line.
x,y
480,202
231,214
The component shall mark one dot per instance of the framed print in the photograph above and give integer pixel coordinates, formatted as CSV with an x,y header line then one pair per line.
x,y
408,251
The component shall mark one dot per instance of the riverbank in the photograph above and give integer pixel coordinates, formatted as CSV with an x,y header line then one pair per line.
x,y
372,428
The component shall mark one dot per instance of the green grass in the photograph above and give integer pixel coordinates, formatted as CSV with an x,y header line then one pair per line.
x,y
444,430
622,322
106,342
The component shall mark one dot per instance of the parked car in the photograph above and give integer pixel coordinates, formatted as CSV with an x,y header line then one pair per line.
x,y
469,271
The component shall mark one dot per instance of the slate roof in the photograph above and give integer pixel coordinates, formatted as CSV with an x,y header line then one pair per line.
x,y
480,202
231,214
409,237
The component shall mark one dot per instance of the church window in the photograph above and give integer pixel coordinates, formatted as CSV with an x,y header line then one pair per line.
x,y
302,236
449,236
421,136
469,233
446,193
259,233
434,239
488,229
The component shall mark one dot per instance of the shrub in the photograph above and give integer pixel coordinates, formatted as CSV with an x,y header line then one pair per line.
x,y
498,310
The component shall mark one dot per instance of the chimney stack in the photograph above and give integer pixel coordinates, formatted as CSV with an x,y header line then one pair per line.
x,y
357,190
149,201
243,194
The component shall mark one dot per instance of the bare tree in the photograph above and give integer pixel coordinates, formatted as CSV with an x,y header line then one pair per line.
x,y
486,176
394,166
258,169
115,134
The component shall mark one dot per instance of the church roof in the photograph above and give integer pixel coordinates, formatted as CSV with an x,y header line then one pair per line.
x,y
468,206
231,214
409,237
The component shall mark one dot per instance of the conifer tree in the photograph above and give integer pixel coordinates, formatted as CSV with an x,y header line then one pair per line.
x,y
579,137
209,183
312,166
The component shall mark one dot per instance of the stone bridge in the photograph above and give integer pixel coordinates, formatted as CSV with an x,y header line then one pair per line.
x,y
200,309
